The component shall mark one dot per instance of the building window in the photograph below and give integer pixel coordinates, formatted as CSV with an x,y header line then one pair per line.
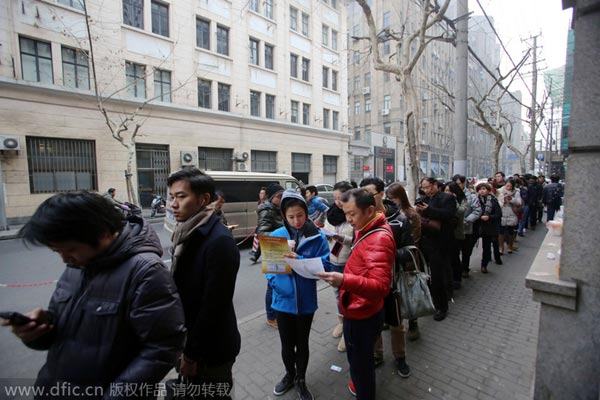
x,y
162,85
334,40
78,4
387,128
270,106
293,65
386,19
224,94
386,76
268,7
329,164
356,30
325,118
335,116
222,40
76,72
334,4
294,116
133,13
203,33
357,133
305,69
325,77
215,159
36,60
334,80
368,106
254,5
264,161
325,35
356,57
368,79
300,162
135,79
306,114
293,19
387,102
357,108
254,103
386,48
204,93
357,83
305,24
269,50
61,165
368,133
253,51
160,18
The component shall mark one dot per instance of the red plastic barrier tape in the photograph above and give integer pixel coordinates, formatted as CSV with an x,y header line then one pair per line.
x,y
20,285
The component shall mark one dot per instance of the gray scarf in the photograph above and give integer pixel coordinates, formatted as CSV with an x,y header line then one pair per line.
x,y
184,230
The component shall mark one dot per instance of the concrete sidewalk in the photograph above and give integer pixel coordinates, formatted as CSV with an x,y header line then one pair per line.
x,y
485,349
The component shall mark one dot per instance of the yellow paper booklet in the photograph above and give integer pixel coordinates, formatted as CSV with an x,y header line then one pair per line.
x,y
272,250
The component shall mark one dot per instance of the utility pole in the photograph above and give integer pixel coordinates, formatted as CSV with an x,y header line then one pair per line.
x,y
533,118
460,116
3,220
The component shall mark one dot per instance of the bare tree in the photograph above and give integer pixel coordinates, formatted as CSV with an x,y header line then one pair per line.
x,y
410,47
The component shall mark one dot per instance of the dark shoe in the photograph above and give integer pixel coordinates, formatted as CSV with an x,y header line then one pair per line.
x,y
253,258
466,275
498,261
284,385
520,234
351,388
402,367
378,359
484,269
440,315
303,392
413,331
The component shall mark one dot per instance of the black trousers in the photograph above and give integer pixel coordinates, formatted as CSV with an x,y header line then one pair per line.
x,y
294,331
437,254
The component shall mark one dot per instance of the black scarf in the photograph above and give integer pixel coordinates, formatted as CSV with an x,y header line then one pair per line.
x,y
335,215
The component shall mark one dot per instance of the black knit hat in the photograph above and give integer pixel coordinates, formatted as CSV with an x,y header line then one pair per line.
x,y
273,189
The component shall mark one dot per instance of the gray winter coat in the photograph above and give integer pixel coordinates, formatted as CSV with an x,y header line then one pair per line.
x,y
118,321
472,212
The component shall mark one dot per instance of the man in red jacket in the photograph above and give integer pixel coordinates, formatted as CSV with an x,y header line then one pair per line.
x,y
363,286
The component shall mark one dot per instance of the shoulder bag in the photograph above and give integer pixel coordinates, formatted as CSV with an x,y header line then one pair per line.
x,y
414,295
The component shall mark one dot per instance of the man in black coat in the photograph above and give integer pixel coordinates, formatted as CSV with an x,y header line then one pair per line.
x,y
205,265
115,321
435,244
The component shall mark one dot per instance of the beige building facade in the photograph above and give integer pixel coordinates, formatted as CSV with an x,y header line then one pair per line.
x,y
222,85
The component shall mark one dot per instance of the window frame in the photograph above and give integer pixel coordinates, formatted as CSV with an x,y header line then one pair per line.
x,y
253,51
270,102
269,56
334,80
325,74
205,38
293,18
305,114
294,111
224,97
137,79
160,6
293,65
305,69
36,58
137,10
305,24
206,96
222,39
76,66
255,103
162,83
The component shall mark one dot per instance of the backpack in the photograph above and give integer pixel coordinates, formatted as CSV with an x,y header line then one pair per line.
x,y
556,198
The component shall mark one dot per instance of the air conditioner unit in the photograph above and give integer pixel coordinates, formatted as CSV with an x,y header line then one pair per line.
x,y
366,90
385,111
241,166
9,143
241,156
189,158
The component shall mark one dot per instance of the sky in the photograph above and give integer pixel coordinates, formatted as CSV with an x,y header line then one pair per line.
x,y
518,20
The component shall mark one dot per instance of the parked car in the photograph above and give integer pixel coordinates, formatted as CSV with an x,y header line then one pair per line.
x,y
325,192
241,195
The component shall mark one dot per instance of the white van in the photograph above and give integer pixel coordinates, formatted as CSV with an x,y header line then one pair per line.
x,y
241,197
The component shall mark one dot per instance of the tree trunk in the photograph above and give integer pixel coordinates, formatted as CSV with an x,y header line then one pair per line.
x,y
412,137
497,146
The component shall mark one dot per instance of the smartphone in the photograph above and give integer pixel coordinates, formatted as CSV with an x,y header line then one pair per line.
x,y
419,203
16,318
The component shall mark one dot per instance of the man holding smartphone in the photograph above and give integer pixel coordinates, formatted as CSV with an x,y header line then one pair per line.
x,y
115,319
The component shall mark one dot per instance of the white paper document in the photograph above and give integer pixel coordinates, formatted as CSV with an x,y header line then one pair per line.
x,y
306,267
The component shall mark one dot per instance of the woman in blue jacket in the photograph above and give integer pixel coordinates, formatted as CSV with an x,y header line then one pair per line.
x,y
295,297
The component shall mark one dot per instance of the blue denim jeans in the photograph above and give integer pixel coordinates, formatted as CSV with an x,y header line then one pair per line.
x,y
268,301
523,221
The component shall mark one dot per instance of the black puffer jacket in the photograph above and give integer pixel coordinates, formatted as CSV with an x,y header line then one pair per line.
x,y
269,218
119,320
